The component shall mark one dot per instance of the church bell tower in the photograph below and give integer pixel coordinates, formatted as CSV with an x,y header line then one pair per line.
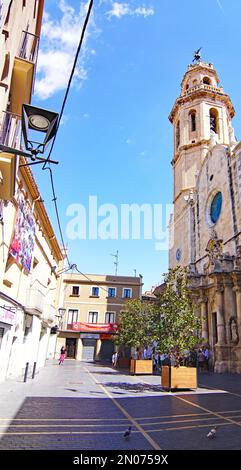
x,y
201,118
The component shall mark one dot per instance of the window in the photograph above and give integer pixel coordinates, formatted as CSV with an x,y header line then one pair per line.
x,y
207,81
5,67
192,117
1,335
213,114
93,317
1,5
110,317
35,8
72,317
111,292
24,3
8,13
95,291
216,206
75,290
177,135
26,332
127,293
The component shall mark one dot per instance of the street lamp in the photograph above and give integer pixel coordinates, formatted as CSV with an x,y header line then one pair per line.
x,y
61,312
40,120
34,120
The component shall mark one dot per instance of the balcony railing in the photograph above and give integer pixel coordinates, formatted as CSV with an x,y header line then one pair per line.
x,y
29,46
10,131
34,301
202,86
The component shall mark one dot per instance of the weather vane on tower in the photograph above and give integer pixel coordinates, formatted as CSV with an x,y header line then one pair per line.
x,y
197,55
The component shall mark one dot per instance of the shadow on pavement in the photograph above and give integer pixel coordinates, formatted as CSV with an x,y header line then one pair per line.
x,y
138,387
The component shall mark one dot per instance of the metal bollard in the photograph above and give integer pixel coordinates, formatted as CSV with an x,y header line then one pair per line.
x,y
26,372
34,369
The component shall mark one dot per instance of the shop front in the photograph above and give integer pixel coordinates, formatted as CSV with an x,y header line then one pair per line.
x,y
96,340
7,322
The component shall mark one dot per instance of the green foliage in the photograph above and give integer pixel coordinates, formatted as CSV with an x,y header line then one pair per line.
x,y
137,324
171,321
178,327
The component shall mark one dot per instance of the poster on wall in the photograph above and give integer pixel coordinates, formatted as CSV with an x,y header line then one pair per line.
x,y
22,244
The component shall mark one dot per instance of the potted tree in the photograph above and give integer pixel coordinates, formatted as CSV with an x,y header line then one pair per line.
x,y
136,329
177,330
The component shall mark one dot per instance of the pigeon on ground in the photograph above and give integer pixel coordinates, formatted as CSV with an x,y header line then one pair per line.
x,y
212,433
127,433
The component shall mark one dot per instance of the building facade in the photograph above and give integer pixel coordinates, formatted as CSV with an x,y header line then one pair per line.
x,y
91,307
29,250
205,228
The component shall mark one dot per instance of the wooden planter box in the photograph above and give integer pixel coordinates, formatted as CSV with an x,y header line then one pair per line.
x,y
123,363
179,377
141,366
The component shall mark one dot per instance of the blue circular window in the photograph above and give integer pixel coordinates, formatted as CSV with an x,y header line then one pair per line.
x,y
216,206
178,254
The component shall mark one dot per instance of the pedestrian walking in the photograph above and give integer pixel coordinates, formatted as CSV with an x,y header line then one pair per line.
x,y
114,359
206,355
62,355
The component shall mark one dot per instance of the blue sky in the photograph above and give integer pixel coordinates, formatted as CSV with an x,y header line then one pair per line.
x,y
115,141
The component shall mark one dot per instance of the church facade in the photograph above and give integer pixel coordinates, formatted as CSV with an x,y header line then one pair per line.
x,y
205,228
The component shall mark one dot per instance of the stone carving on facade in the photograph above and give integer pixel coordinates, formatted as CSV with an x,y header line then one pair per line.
x,y
237,262
215,253
232,138
233,331
213,139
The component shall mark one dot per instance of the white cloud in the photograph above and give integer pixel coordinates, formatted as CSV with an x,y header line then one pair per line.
x,y
121,9
59,41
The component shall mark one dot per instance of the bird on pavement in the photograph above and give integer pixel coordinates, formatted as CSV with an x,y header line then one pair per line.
x,y
212,433
127,433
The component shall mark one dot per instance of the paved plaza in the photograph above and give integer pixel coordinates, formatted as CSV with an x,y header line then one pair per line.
x,y
85,406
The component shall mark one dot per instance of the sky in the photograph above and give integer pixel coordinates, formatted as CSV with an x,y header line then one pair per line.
x,y
115,142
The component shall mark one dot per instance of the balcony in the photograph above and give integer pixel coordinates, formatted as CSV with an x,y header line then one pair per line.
x,y
10,131
203,86
34,302
49,313
10,136
29,46
24,69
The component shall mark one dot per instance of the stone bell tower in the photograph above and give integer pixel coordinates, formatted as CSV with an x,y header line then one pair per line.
x,y
201,118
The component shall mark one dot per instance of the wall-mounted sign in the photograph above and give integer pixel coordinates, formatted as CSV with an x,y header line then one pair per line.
x,y
95,327
89,336
7,316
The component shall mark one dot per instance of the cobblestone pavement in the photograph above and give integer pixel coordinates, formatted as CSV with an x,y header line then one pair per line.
x,y
84,406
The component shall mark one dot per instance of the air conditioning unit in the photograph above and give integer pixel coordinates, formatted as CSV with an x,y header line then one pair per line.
x,y
8,168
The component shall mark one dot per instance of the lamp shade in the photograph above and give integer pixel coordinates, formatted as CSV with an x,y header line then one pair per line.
x,y
41,120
